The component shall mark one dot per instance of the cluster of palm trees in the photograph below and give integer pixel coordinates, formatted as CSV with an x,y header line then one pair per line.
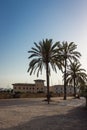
x,y
58,56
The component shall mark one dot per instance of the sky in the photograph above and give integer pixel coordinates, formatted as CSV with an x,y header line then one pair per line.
x,y
23,22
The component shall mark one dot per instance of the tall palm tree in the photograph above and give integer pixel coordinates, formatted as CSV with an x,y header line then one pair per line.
x,y
67,53
43,55
76,75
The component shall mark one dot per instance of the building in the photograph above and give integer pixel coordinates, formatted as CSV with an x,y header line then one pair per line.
x,y
59,89
38,86
32,88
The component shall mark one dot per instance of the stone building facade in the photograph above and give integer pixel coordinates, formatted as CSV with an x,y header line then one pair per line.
x,y
32,88
59,89
40,87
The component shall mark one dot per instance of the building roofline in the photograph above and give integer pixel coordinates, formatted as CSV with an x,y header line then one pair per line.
x,y
39,80
23,84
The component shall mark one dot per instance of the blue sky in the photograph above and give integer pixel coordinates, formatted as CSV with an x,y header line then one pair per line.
x,y
23,22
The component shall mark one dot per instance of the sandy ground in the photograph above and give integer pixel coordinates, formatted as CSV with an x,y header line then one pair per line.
x,y
36,114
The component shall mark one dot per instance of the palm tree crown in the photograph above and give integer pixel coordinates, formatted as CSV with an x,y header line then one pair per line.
x,y
68,50
43,53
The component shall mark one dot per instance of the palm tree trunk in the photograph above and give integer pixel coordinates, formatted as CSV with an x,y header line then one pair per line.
x,y
47,77
65,81
74,89
86,101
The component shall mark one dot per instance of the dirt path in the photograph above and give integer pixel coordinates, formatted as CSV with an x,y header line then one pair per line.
x,y
35,114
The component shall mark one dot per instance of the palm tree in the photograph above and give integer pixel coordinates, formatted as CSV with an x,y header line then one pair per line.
x,y
43,55
76,75
67,53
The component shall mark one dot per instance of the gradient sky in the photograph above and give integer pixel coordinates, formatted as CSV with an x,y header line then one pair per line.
x,y
23,22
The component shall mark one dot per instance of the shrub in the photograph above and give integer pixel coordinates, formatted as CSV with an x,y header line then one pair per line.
x,y
5,95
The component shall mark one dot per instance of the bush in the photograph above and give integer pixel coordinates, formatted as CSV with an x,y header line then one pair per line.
x,y
5,95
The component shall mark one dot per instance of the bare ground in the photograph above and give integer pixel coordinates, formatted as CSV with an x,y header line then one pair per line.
x,y
36,114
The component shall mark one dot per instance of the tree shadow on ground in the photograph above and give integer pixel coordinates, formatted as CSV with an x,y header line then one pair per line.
x,y
75,119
